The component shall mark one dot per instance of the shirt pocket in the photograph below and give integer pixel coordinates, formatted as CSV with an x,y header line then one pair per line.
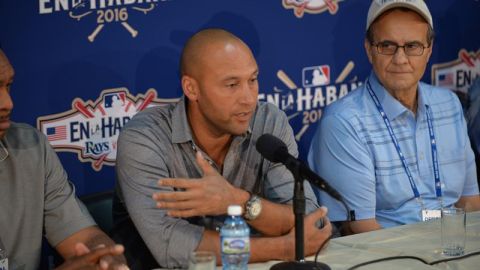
x,y
392,190
452,171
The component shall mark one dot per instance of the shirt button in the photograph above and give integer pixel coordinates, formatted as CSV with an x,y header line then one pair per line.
x,y
421,156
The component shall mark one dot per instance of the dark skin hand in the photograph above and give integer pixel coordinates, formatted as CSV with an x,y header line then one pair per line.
x,y
92,259
76,251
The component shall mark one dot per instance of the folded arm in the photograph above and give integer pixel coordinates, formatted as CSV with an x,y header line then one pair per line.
x,y
90,247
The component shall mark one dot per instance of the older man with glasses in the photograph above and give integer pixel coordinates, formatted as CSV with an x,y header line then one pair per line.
x,y
396,148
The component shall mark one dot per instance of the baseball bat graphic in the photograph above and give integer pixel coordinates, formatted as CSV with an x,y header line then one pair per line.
x,y
95,32
82,109
301,132
130,29
128,106
98,163
286,80
466,58
101,109
150,96
345,72
332,6
291,116
299,10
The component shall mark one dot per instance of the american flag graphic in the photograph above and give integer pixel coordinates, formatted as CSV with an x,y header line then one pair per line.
x,y
57,133
445,79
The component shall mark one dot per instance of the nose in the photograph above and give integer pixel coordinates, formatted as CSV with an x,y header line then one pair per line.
x,y
6,103
249,93
400,57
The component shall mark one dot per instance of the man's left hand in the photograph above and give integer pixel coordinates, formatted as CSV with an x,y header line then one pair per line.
x,y
209,195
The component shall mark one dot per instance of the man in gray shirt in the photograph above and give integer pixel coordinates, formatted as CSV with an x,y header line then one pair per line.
x,y
36,198
197,157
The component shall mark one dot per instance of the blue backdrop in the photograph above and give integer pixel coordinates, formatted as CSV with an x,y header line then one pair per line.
x,y
85,67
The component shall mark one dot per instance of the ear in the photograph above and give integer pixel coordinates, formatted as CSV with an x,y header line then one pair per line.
x,y
429,51
368,50
190,87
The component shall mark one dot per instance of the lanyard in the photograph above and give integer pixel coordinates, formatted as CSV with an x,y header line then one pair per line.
x,y
433,143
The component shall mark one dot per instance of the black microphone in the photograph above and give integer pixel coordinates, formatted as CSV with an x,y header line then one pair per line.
x,y
275,150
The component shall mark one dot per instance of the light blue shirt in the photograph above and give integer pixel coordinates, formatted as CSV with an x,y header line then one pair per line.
x,y
353,151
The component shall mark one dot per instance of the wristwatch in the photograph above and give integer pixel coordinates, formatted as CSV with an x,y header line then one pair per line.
x,y
253,207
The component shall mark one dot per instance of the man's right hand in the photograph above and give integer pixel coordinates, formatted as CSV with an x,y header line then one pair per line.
x,y
314,237
86,259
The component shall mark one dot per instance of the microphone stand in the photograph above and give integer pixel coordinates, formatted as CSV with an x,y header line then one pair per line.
x,y
299,212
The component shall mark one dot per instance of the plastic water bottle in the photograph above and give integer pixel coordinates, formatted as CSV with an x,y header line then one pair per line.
x,y
3,257
235,240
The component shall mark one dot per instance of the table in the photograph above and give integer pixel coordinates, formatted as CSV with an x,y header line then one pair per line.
x,y
421,240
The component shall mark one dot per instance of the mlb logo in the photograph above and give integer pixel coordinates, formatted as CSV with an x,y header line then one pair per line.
x,y
114,100
316,76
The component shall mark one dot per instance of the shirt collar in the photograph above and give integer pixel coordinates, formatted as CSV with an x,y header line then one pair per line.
x,y
423,95
392,107
3,150
181,132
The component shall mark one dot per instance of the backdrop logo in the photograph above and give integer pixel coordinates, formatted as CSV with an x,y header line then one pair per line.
x,y
316,76
317,92
311,6
91,128
459,74
106,11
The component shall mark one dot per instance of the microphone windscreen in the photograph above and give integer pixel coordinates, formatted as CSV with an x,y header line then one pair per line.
x,y
271,147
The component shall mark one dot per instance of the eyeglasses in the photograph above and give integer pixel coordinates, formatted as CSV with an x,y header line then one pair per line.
x,y
390,48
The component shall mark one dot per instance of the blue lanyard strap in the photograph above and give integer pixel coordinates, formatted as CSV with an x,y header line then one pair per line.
x,y
438,188
433,142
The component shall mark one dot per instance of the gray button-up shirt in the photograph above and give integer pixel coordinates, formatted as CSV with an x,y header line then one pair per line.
x,y
36,197
157,143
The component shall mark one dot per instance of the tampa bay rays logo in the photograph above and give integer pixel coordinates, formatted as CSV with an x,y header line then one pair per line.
x,y
91,128
311,6
106,11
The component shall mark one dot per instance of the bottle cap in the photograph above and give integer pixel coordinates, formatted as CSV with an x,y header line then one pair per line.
x,y
234,210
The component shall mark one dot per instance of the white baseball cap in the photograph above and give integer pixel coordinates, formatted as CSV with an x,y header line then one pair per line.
x,y
378,7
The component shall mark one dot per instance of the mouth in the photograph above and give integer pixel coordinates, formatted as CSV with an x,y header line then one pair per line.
x,y
243,116
400,72
4,122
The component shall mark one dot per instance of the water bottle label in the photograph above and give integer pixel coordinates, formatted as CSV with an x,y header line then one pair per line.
x,y
4,264
235,245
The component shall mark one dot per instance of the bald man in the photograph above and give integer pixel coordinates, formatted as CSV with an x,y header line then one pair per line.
x,y
179,167
36,198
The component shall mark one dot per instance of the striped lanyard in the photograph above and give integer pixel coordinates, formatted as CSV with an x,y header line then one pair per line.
x,y
433,143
